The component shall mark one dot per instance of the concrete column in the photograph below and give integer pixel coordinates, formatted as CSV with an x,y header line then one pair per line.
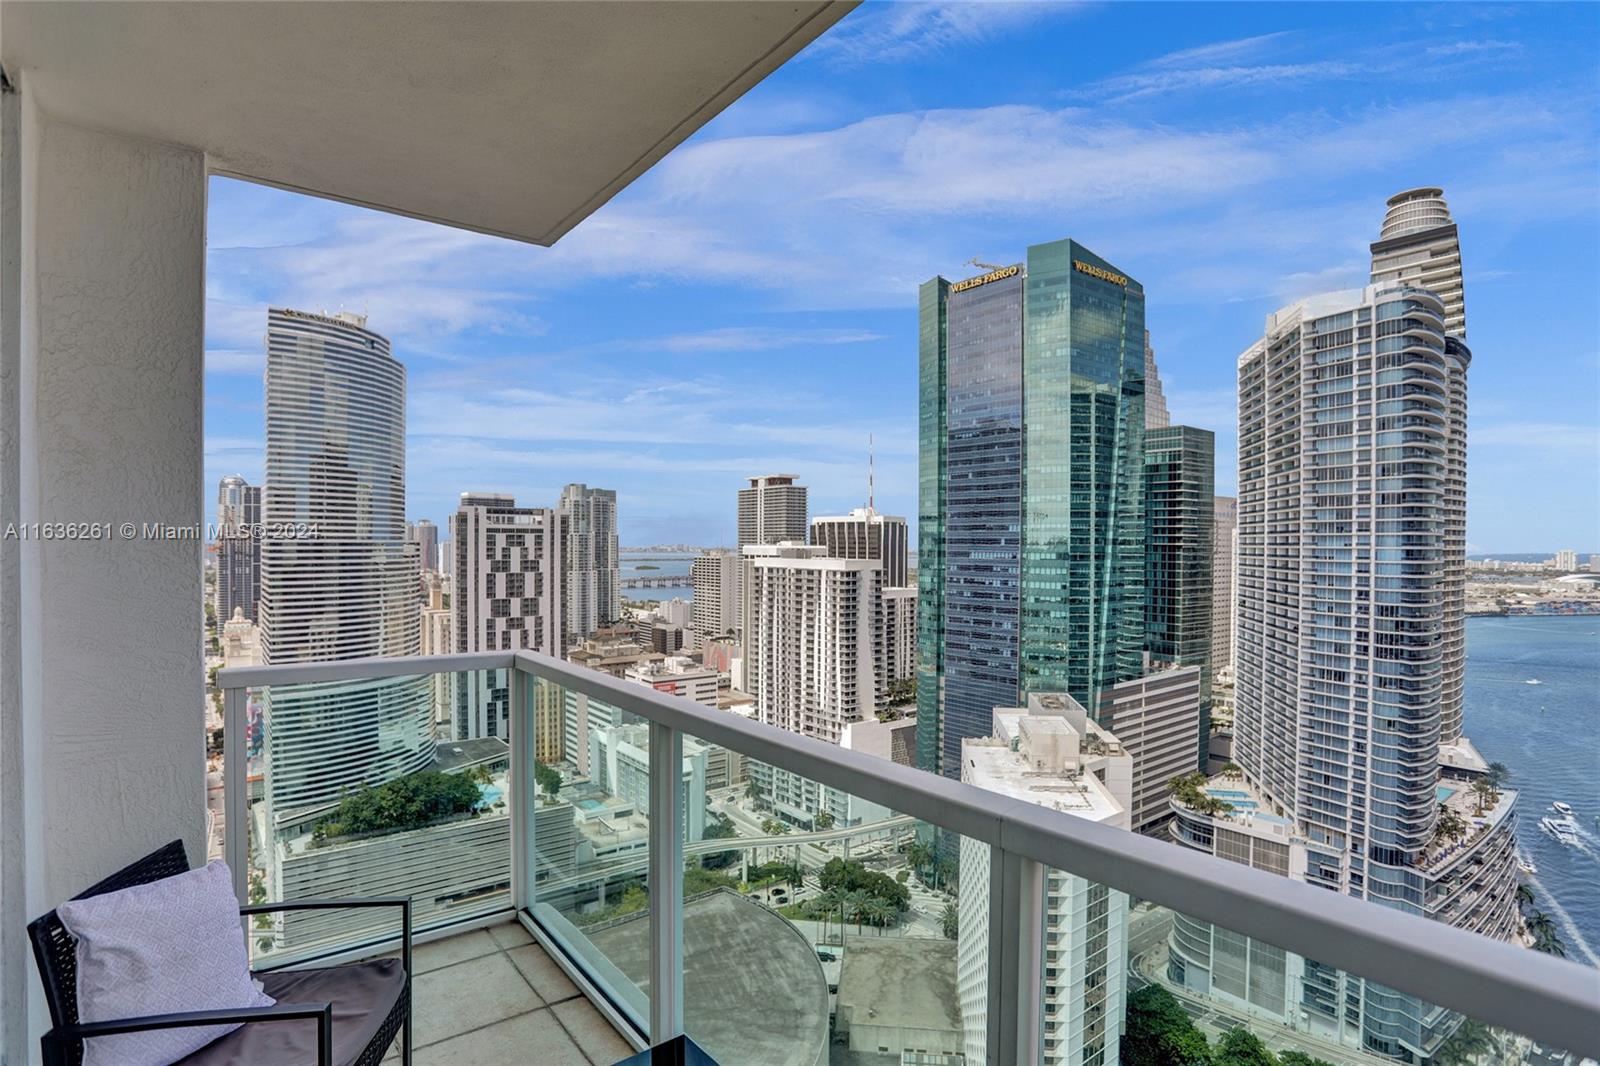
x,y
100,422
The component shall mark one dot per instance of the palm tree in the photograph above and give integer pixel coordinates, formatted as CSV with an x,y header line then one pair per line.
x,y
855,902
881,912
1482,790
1524,893
1539,925
1498,774
830,899
1470,1040
918,855
1551,944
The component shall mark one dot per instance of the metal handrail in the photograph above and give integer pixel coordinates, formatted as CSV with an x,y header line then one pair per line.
x,y
1536,995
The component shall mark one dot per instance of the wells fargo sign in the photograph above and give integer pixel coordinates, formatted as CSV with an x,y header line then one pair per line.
x,y
984,279
1099,272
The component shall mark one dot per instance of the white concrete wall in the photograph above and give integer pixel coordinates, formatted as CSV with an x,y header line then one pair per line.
x,y
99,638
14,975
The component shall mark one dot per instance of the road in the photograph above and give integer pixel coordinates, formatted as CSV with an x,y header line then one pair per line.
x,y
638,862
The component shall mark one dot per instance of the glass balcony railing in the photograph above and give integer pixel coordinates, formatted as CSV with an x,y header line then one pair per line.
x,y
783,900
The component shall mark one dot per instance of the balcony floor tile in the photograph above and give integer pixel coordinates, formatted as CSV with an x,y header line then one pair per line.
x,y
535,1037
486,1000
440,953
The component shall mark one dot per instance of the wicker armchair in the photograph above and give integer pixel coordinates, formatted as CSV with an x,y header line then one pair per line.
x,y
357,1009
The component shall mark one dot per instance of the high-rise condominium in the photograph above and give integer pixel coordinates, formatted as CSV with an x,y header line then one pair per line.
x,y
812,653
336,462
238,503
812,645
1225,517
238,583
772,509
866,534
589,552
1030,518
715,577
1418,245
1347,411
425,535
508,596
1179,480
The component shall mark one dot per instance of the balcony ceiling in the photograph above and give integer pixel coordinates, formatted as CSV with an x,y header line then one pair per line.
x,y
518,119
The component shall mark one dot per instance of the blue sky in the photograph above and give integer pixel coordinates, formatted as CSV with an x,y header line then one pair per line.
x,y
749,306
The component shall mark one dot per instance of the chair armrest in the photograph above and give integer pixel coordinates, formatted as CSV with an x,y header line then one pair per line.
x,y
322,1013
403,902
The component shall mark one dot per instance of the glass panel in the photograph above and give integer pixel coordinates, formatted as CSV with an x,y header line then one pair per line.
x,y
366,788
590,839
820,927
1132,982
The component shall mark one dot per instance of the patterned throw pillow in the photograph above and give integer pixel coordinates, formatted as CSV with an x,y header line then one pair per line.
x,y
171,945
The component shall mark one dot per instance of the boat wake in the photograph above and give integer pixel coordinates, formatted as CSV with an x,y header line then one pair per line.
x,y
1588,842
1569,928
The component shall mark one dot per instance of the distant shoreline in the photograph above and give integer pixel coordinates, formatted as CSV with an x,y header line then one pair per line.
x,y
1571,610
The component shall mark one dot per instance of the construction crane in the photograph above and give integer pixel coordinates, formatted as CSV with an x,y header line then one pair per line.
x,y
981,266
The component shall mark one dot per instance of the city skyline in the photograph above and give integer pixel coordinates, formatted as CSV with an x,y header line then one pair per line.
x,y
632,352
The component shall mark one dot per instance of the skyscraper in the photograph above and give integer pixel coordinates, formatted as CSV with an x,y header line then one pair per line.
x,y
426,536
1030,515
589,553
238,583
1179,480
508,596
812,646
772,509
715,578
336,455
1345,422
1155,399
1225,518
866,534
238,503
1418,245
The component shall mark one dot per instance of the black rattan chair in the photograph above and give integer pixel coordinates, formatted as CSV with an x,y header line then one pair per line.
x,y
358,1009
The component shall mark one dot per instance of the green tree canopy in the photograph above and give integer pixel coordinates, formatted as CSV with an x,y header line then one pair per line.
x,y
409,802
548,780
1159,1032
1241,1047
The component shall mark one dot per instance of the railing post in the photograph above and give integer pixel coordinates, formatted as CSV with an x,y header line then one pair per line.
x,y
1016,958
235,792
666,883
524,786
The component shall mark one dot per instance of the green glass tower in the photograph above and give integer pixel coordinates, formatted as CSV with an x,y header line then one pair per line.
x,y
1030,519
1180,479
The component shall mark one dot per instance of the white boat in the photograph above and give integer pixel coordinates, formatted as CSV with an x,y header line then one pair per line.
x,y
1564,830
1565,810
1533,681
1526,865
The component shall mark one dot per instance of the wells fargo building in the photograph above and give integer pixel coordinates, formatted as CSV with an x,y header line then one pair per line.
x,y
1030,522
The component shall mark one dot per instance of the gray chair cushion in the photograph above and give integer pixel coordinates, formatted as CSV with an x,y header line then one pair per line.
x,y
362,994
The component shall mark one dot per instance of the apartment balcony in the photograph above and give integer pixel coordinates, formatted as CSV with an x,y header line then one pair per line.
x,y
639,899
517,120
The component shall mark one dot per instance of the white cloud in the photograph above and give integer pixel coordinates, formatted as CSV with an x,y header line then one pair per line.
x,y
758,338
878,33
